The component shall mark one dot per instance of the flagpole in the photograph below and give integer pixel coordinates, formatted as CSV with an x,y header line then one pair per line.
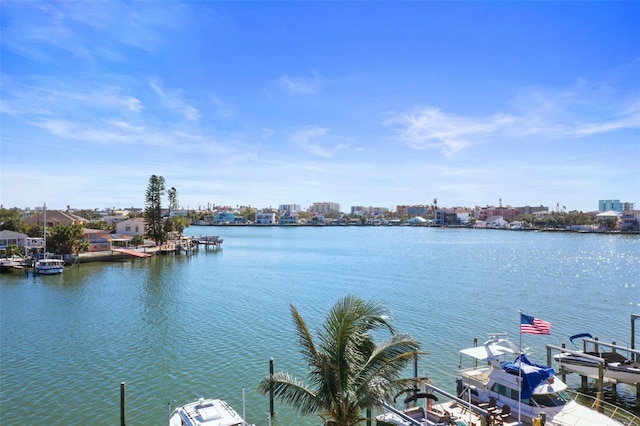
x,y
520,372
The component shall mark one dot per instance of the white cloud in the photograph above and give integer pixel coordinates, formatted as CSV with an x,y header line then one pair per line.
x,y
299,85
172,99
307,140
551,117
430,128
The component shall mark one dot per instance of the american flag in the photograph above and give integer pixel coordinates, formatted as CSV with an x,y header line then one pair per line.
x,y
531,325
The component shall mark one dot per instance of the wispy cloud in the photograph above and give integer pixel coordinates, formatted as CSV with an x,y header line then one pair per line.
x,y
552,117
299,85
89,31
315,140
431,128
173,100
48,97
108,132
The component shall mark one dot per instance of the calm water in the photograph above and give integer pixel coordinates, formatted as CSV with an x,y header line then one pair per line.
x,y
176,328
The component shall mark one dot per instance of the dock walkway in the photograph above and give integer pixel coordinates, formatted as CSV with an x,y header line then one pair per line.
x,y
131,252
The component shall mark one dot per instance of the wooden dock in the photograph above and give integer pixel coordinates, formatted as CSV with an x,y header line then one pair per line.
x,y
131,252
209,240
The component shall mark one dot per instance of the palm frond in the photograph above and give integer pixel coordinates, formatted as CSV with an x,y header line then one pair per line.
x,y
305,338
291,391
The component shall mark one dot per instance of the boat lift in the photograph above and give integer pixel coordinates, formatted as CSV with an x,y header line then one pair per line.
x,y
601,361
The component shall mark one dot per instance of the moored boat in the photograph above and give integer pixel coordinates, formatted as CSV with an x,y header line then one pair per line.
x,y
616,367
454,411
525,389
49,265
206,412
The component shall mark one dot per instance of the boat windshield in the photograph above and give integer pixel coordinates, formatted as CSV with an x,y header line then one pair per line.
x,y
555,399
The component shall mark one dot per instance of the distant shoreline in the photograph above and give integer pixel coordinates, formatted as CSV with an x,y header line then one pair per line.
x,y
260,225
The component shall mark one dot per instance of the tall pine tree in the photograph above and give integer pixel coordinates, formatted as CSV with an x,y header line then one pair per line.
x,y
153,209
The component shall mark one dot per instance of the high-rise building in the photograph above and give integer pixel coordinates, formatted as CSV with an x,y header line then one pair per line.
x,y
325,207
606,205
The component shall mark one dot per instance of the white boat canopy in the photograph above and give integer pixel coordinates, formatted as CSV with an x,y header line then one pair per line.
x,y
488,351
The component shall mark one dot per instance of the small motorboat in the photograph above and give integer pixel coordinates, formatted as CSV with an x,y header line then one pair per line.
x,y
206,412
616,367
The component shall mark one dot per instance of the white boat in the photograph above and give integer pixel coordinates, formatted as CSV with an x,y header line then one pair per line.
x,y
454,411
616,367
49,265
206,412
498,368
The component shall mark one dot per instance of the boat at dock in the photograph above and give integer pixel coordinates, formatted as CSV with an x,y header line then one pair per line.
x,y
454,411
13,262
206,412
617,368
502,376
49,265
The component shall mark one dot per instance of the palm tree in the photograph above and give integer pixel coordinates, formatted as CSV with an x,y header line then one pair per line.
x,y
348,371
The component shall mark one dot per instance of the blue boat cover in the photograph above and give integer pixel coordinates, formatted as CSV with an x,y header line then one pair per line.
x,y
532,374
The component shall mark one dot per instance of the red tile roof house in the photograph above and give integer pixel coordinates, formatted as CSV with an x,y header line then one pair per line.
x,y
55,218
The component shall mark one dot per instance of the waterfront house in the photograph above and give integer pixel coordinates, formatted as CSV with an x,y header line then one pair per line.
x,y
10,237
453,216
496,222
117,216
55,218
288,218
98,239
608,220
134,226
417,221
23,241
318,220
179,213
507,213
265,218
224,218
630,221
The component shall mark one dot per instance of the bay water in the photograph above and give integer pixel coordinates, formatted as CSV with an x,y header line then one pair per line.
x,y
176,328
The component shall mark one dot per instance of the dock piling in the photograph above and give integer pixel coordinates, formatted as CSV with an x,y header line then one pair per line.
x,y
271,412
123,421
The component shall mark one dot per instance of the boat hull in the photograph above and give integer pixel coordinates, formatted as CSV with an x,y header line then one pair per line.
x,y
619,373
49,271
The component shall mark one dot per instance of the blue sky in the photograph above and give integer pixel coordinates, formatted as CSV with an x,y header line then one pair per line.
x,y
359,103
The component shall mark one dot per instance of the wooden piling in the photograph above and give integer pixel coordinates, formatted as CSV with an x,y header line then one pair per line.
x,y
271,412
123,411
563,376
614,387
475,345
584,381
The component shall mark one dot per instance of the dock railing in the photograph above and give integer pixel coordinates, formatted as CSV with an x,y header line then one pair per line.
x,y
613,411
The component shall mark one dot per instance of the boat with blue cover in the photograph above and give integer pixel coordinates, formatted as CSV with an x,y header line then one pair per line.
x,y
499,367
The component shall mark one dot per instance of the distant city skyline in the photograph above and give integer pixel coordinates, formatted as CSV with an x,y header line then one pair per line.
x,y
357,103
603,205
